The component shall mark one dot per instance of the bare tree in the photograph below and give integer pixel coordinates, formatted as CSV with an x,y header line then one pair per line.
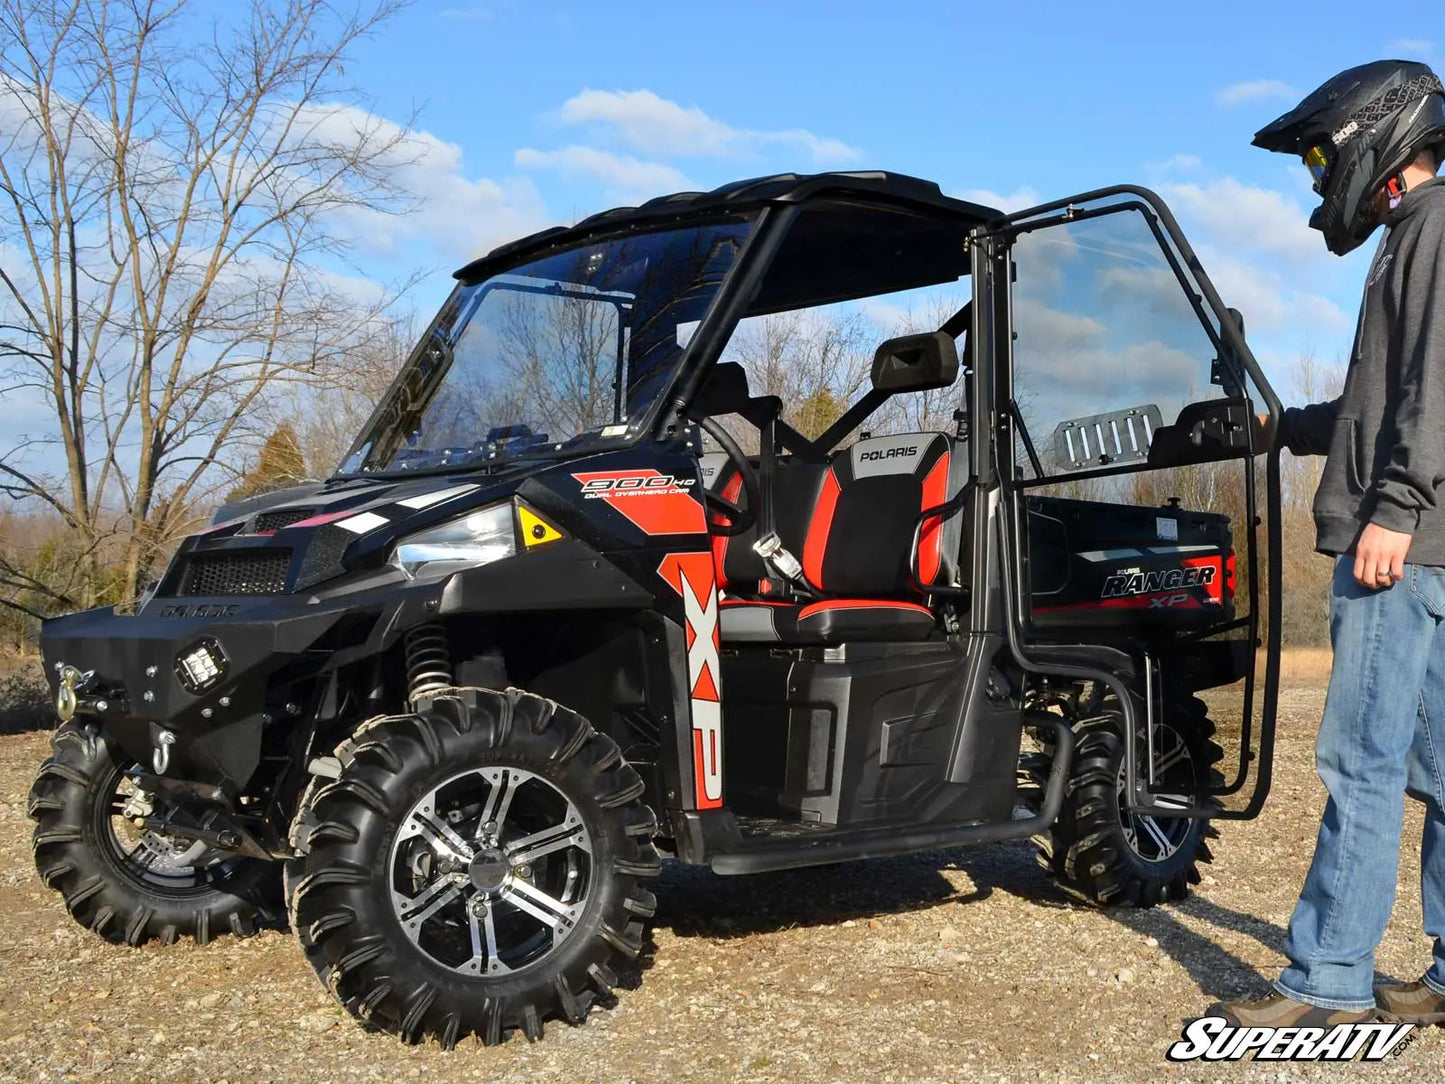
x,y
816,361
327,420
173,205
562,357
931,410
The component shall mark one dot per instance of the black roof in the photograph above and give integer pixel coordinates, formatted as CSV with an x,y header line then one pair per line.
x,y
737,196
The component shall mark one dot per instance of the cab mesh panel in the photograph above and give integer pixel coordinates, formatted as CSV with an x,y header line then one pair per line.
x,y
274,521
261,573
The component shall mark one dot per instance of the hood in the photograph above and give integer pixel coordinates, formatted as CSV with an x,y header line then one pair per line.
x,y
295,539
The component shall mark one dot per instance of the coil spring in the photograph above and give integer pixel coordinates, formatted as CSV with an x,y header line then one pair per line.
x,y
428,660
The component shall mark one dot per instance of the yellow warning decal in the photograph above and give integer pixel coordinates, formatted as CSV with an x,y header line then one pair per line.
x,y
536,531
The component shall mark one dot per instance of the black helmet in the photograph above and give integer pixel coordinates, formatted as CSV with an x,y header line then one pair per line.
x,y
1356,133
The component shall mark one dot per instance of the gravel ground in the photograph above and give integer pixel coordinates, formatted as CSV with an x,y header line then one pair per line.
x,y
957,965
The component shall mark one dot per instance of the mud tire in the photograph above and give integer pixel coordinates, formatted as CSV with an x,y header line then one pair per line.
x,y
339,891
75,851
1087,850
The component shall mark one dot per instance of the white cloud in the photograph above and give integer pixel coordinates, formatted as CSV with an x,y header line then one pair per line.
x,y
1051,331
1277,306
621,173
1251,289
1254,90
1007,202
1320,314
1240,216
1417,46
647,122
458,216
1178,163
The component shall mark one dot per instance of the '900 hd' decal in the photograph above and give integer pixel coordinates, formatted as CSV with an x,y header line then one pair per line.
x,y
692,576
656,503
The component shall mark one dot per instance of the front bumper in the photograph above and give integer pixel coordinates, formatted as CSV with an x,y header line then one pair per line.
x,y
145,701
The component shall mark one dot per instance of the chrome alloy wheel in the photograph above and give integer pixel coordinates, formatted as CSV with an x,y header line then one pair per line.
x,y
491,870
1156,838
154,858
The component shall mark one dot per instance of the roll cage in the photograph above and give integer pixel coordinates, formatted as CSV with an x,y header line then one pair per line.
x,y
769,277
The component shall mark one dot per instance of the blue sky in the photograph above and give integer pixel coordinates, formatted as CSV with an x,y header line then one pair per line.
x,y
552,111
537,113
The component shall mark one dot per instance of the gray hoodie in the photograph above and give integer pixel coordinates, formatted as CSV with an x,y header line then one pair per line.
x,y
1385,436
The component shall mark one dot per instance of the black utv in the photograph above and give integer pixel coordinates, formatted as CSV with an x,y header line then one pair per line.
x,y
601,583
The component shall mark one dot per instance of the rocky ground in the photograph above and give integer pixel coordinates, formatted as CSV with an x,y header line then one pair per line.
x,y
959,965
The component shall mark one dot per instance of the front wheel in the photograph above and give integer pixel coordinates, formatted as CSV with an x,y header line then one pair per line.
x,y
128,884
1104,854
474,868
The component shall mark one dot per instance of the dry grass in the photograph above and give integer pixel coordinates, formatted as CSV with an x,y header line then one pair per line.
x,y
1308,666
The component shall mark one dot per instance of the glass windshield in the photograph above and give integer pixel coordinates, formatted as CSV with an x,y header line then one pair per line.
x,y
557,355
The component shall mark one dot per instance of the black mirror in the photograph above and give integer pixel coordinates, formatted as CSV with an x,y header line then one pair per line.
x,y
724,391
915,363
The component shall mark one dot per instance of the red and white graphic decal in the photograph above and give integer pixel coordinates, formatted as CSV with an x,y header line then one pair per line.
x,y
692,576
657,503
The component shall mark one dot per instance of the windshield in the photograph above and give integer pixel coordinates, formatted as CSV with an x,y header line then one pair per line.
x,y
558,355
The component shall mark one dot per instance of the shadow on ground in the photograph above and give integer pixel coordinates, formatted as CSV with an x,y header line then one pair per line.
x,y
694,902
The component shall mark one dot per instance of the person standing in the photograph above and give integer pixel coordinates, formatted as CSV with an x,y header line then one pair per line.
x,y
1372,139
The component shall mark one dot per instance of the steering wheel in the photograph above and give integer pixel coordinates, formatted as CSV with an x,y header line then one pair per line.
x,y
736,519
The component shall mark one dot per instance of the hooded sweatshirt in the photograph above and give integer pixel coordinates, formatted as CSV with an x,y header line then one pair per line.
x,y
1385,435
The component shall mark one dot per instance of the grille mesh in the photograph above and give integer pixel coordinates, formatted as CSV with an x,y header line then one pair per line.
x,y
274,521
260,573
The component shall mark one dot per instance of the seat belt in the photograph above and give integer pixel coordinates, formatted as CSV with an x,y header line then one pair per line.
x,y
775,556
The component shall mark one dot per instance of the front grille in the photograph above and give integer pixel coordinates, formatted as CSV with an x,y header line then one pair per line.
x,y
266,522
255,573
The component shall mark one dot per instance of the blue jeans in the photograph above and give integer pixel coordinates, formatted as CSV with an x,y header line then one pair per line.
x,y
1382,735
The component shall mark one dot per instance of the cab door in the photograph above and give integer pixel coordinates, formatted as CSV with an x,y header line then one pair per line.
x,y
1140,511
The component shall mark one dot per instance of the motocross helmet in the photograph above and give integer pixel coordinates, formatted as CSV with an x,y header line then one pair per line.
x,y
1355,134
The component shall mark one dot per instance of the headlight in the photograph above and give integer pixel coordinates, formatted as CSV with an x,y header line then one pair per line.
x,y
476,539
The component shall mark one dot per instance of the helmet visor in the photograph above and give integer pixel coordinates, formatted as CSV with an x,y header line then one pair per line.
x,y
1318,164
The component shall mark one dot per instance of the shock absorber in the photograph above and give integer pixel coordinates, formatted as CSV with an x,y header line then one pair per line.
x,y
428,660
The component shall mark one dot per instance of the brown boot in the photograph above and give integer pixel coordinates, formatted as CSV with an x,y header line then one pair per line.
x,y
1277,1011
1410,1003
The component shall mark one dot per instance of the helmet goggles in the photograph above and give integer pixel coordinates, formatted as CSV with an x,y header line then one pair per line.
x,y
1318,163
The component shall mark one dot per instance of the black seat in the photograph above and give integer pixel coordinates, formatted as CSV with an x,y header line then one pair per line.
x,y
852,525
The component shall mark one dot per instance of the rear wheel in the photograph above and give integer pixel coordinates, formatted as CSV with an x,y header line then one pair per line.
x,y
1100,852
127,884
474,869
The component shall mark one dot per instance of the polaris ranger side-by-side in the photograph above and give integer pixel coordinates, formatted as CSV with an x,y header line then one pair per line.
x,y
589,591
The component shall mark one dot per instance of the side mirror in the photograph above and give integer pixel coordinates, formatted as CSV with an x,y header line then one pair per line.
x,y
915,363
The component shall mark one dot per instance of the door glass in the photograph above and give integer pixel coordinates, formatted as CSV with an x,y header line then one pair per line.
x,y
1108,347
1138,525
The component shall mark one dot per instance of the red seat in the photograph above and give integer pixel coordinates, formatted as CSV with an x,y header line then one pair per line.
x,y
830,621
855,549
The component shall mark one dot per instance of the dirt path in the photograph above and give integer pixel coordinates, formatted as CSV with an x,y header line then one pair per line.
x,y
958,965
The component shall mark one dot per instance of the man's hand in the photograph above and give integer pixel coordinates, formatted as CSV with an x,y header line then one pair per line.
x,y
1263,433
1380,556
